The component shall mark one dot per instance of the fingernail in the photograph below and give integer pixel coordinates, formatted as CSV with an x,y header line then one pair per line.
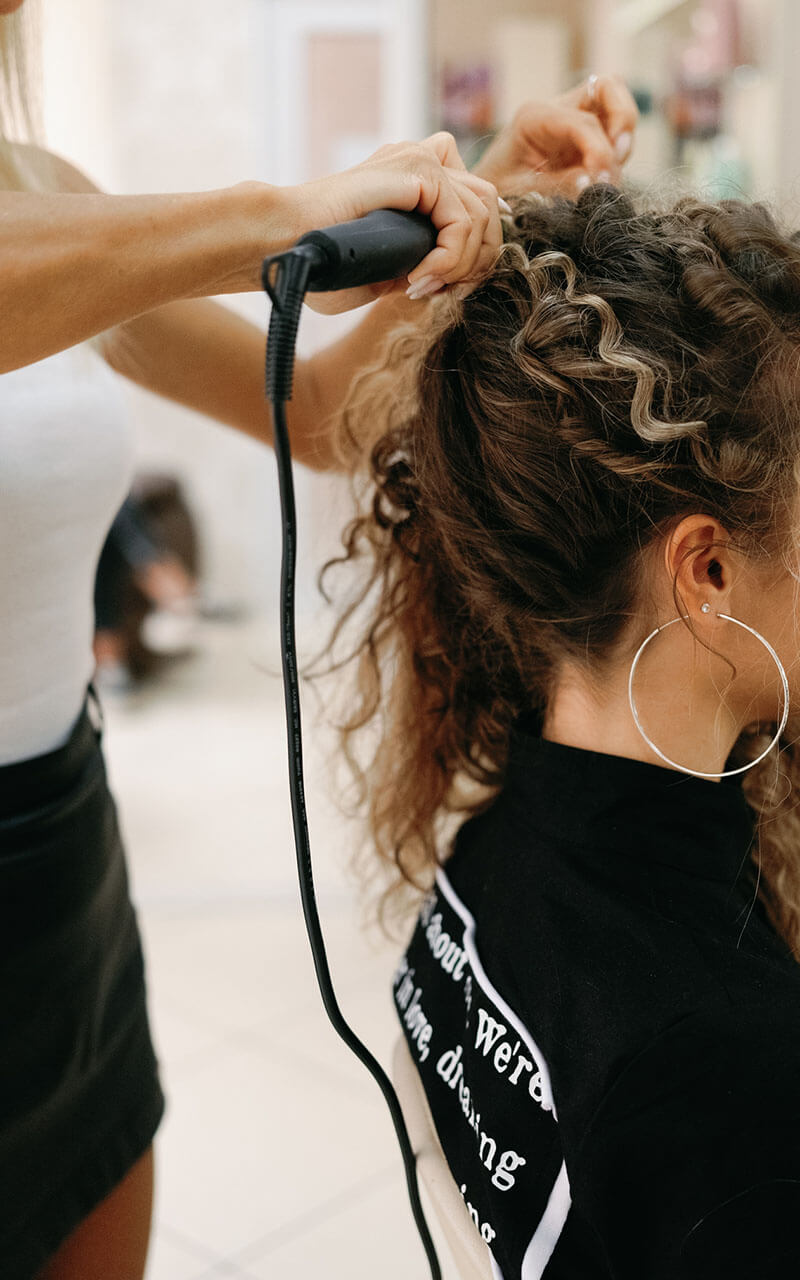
x,y
622,147
423,287
583,182
604,176
504,205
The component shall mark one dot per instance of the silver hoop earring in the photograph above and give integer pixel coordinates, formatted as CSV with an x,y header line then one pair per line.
x,y
729,773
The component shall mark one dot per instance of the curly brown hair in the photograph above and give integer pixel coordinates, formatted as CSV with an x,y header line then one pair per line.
x,y
620,368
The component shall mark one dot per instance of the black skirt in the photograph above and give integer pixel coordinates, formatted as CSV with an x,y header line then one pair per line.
x,y
80,1098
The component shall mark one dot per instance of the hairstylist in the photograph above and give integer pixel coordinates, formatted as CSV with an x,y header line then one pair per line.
x,y
79,1094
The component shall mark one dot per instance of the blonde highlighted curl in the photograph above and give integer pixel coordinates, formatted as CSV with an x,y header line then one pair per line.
x,y
620,368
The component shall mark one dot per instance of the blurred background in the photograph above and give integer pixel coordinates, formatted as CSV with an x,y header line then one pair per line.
x,y
189,94
276,1157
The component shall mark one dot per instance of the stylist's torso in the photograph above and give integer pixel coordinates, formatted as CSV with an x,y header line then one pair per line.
x,y
67,456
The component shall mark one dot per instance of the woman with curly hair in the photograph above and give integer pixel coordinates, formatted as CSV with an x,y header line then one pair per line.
x,y
581,645
89,279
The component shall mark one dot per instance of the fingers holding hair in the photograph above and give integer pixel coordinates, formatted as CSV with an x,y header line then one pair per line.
x,y
574,138
609,99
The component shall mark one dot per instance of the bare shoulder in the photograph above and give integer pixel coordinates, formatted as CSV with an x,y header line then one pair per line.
x,y
53,170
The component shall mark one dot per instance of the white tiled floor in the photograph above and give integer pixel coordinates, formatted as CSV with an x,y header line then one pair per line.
x,y
277,1157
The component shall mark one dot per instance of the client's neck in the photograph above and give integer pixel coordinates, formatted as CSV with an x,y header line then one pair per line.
x,y
684,723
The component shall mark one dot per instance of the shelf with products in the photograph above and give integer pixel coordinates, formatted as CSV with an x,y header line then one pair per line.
x,y
701,70
706,70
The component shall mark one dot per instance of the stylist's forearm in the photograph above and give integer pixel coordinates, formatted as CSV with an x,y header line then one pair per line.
x,y
208,358
324,384
72,266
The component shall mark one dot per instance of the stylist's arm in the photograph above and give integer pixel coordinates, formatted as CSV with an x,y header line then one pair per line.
x,y
76,263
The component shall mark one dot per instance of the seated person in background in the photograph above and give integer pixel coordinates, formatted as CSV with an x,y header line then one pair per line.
x,y
140,579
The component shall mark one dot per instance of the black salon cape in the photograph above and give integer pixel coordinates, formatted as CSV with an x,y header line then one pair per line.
x,y
608,1028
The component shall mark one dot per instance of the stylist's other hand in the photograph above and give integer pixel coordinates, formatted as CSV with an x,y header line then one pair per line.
x,y
562,146
429,177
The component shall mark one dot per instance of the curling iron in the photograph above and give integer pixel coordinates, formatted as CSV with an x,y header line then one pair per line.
x,y
384,245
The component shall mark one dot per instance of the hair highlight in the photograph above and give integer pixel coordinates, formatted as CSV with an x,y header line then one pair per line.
x,y
621,367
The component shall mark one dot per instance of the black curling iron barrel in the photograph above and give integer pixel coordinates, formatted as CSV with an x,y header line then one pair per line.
x,y
384,245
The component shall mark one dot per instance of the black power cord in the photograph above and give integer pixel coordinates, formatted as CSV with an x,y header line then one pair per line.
x,y
379,247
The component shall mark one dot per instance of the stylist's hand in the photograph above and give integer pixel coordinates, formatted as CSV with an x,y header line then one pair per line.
x,y
429,177
560,147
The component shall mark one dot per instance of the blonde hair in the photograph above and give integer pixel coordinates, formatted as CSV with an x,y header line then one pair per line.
x,y
23,166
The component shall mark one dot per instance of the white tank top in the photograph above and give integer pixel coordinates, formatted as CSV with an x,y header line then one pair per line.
x,y
66,461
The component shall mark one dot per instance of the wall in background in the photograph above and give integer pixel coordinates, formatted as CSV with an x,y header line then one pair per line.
x,y
77,74
193,95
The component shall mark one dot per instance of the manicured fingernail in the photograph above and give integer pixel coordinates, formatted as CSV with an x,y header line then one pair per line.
x,y
504,206
583,182
424,287
604,176
622,147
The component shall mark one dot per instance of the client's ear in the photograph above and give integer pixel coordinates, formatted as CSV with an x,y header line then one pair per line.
x,y
699,562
